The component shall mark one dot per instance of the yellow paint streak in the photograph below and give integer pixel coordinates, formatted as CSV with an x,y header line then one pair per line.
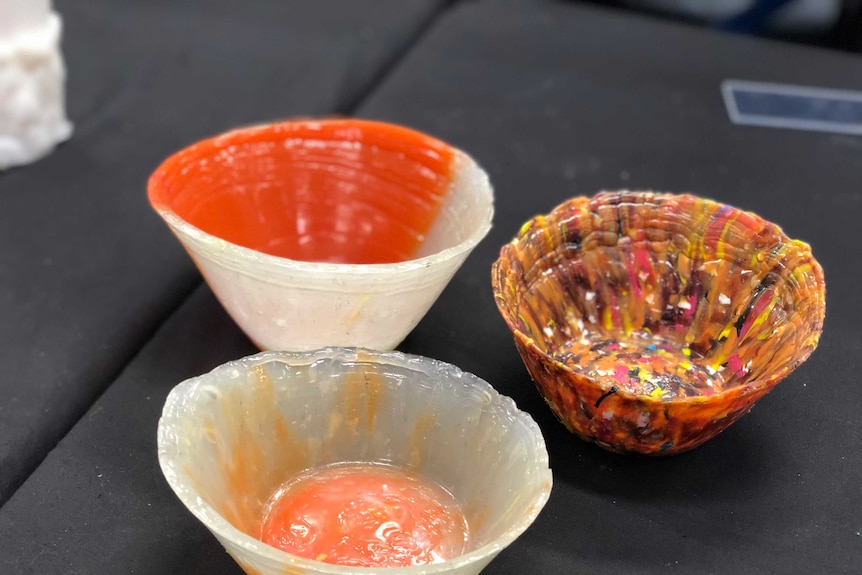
x,y
755,257
759,320
549,237
525,228
719,250
607,318
801,273
357,310
627,322
700,223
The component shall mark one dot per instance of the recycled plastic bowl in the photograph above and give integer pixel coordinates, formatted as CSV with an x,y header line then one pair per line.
x,y
651,322
229,438
319,233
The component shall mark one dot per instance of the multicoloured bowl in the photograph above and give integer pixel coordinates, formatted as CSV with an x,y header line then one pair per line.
x,y
651,322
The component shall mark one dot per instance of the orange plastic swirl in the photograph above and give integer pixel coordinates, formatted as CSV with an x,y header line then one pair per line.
x,y
343,191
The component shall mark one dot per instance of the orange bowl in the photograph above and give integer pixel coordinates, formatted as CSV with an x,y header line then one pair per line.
x,y
651,322
315,233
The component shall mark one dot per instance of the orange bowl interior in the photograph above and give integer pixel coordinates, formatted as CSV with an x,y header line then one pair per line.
x,y
342,191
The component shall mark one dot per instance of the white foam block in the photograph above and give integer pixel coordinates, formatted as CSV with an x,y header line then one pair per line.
x,y
32,87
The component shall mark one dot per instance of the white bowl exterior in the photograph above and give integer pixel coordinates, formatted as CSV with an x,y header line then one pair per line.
x,y
295,311
285,304
336,405
253,563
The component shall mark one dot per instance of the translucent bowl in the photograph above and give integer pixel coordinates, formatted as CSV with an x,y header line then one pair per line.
x,y
229,438
325,233
651,322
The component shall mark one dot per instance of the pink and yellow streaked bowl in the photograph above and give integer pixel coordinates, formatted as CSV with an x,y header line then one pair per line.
x,y
651,322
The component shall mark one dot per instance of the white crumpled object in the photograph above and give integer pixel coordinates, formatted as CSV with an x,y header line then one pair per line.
x,y
32,84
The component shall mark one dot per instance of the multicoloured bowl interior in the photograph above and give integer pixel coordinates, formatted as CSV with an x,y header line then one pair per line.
x,y
651,322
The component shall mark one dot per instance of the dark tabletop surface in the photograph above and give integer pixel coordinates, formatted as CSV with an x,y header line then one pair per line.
x,y
554,100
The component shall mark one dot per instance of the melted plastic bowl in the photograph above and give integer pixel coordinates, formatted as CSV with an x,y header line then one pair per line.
x,y
651,322
229,438
319,233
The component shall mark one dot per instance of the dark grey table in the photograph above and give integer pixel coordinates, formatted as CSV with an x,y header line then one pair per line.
x,y
554,100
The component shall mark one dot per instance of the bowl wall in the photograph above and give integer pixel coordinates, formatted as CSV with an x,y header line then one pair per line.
x,y
650,322
325,233
228,439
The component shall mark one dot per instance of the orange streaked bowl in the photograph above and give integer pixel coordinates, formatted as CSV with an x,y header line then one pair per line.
x,y
651,322
228,439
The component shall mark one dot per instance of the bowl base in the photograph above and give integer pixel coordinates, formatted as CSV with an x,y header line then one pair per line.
x,y
642,364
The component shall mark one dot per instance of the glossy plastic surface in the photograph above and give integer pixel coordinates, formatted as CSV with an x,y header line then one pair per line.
x,y
332,232
229,438
651,322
